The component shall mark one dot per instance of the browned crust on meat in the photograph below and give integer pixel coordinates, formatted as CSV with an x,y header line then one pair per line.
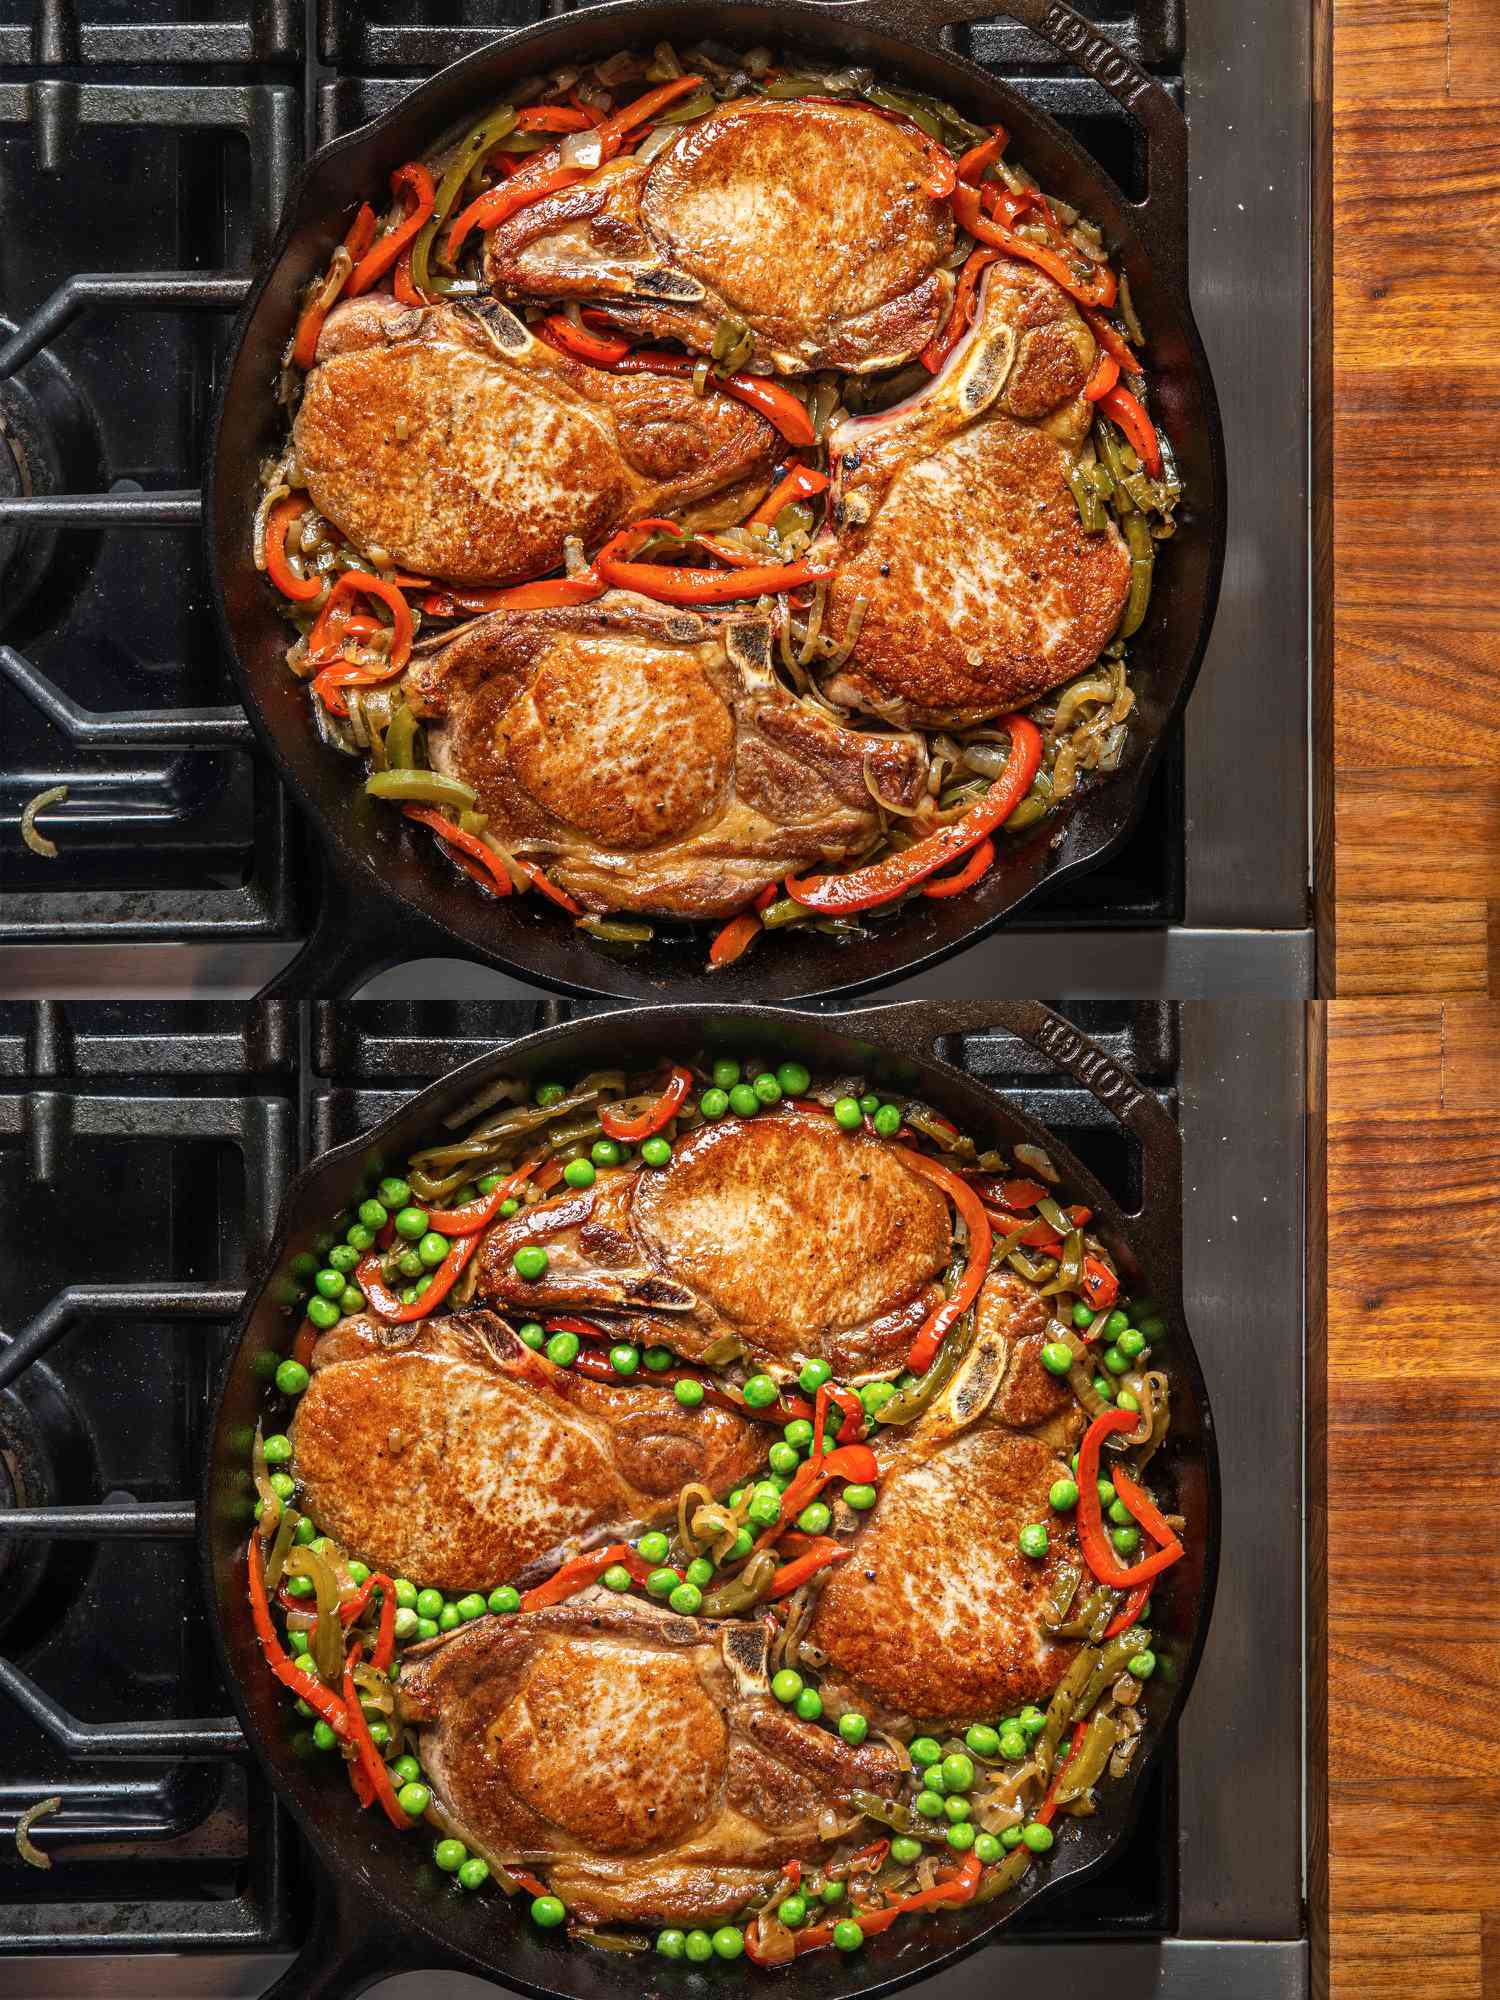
x,y
1029,1394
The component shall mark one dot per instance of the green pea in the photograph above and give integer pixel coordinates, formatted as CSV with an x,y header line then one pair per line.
x,y
786,1685
960,1835
323,1312
1120,1514
662,1582
1107,1495
394,1193
1104,1388
743,1101
847,1934
1057,1357
471,1606
688,1392
809,1704
1131,1342
563,1349
359,1238
760,1392
982,1740
1116,1362
657,1358
406,1770
1116,1324
433,1248
783,1457
656,1152
1126,1401
815,1517
875,1396
580,1173
729,1941
699,1947
860,1498
1063,1495
700,1571
474,1873
714,1103
373,1214
548,1911
405,1625
934,1780
813,1375
832,1892
1037,1838
532,1334
359,1571
278,1449
330,1283
616,1578
1082,1314
904,1848
1012,1744
1155,1329
726,1073
958,1771
324,1737
292,1378
925,1750
411,1223
987,1848
765,1507
293,1638
414,1799
624,1358
792,1910
767,1088
653,1546
530,1262
853,1726
429,1603
798,1433
670,1943
343,1257
450,1855
956,1809
509,1207
303,1265
1032,1540
351,1299
449,1619
304,1532
549,1094
1142,1664
929,1804
1126,1540
847,1113
686,1599
427,1628
795,1081
409,1263
487,1183
606,1153
1011,1837
744,1542
888,1121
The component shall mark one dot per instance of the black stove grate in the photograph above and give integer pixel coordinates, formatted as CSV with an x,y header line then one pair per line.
x,y
143,1149
187,126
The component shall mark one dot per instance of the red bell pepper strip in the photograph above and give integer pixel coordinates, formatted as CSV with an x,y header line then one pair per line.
x,y
774,401
851,1413
953,1890
1129,1611
495,877
978,863
299,588
734,940
972,165
544,176
557,118
1047,1811
882,881
855,1462
604,350
1095,288
361,234
388,1306
548,888
1098,1553
477,1214
961,315
792,1575
304,1343
1110,340
580,1571
401,281
1011,205
931,1333
1098,1285
370,1759
554,592
326,640
707,586
666,1107
413,179
355,1607
801,483
1103,379
1122,408
300,1680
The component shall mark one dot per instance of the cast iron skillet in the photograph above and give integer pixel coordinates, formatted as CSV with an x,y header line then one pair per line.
x,y
387,896
384,1908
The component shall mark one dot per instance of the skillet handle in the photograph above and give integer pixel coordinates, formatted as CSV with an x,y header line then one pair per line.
x,y
352,938
923,1025
350,1950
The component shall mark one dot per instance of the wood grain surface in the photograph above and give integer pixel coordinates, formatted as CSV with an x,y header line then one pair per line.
x,y
1410,1520
1415,775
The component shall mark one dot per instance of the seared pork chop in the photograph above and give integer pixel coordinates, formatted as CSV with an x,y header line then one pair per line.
x,y
464,448
448,1452
959,531
807,220
1015,1312
649,758
801,1238
638,1754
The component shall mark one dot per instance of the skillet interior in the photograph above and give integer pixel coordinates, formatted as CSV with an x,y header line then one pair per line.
x,y
366,842
394,1908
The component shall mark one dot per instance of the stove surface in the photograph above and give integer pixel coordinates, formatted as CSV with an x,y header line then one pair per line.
x,y
181,868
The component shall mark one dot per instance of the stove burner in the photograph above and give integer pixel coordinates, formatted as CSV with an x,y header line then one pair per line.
x,y
49,443
44,1459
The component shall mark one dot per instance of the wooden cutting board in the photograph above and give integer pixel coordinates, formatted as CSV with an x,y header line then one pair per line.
x,y
1413,1500
1415,777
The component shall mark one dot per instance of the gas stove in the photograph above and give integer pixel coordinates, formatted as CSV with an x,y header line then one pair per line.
x,y
144,159
143,1148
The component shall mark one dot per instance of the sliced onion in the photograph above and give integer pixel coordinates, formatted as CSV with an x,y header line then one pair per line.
x,y
55,795
268,501
31,1854
581,149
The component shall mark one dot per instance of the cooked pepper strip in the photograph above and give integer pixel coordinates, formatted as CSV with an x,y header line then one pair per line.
x,y
369,1758
1100,1286
1130,1611
1123,408
978,863
851,1411
801,483
1096,289
1101,1558
402,284
961,317
666,1107
1047,1810
604,350
305,341
354,1608
882,881
556,591
557,118
326,640
953,1890
933,1330
300,1681
479,1214
548,888
849,1461
972,165
1106,374
498,879
792,1575
299,588
735,939
1110,340
384,1302
774,401
580,1571
693,586
412,179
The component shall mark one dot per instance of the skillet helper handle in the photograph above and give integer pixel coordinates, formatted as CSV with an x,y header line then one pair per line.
x,y
353,937
351,1949
923,1025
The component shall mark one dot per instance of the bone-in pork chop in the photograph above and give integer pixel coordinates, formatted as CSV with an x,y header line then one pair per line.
x,y
937,1612
959,530
801,1238
446,1451
638,1754
649,759
809,221
466,449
